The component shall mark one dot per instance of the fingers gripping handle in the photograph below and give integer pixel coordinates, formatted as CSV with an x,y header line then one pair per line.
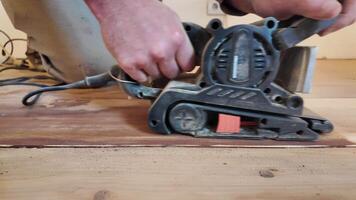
x,y
198,37
132,87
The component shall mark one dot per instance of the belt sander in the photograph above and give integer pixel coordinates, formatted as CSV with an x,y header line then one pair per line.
x,y
246,86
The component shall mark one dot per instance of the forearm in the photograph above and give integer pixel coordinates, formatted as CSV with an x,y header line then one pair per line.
x,y
102,9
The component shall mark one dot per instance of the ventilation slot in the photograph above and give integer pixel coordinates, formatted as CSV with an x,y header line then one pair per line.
x,y
260,59
223,59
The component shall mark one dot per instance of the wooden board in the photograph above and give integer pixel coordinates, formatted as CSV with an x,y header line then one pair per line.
x,y
105,117
177,173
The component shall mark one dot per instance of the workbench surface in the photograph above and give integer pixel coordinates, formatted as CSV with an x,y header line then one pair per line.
x,y
95,144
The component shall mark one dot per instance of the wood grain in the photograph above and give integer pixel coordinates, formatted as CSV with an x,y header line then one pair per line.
x,y
177,173
106,117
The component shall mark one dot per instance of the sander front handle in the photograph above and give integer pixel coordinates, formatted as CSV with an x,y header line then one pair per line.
x,y
295,30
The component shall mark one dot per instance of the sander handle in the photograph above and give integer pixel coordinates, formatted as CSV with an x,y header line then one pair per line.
x,y
295,30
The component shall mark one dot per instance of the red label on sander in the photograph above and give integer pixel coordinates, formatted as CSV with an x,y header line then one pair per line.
x,y
229,124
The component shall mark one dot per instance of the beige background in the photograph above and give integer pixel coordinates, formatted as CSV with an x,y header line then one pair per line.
x,y
340,45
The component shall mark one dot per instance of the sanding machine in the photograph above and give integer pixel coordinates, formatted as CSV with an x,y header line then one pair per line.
x,y
248,79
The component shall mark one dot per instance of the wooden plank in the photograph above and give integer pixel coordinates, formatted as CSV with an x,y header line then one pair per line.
x,y
177,173
83,124
106,117
76,118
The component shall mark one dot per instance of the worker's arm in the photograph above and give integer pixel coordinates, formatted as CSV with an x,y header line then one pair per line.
x,y
316,9
144,36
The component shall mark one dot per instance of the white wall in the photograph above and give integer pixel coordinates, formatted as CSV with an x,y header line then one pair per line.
x,y
338,45
193,11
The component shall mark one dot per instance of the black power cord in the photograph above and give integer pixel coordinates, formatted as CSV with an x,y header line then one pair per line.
x,y
97,81
22,67
12,46
24,84
31,98
3,48
11,42
22,81
25,78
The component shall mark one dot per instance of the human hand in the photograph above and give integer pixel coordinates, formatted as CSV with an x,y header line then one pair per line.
x,y
346,18
145,37
315,9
